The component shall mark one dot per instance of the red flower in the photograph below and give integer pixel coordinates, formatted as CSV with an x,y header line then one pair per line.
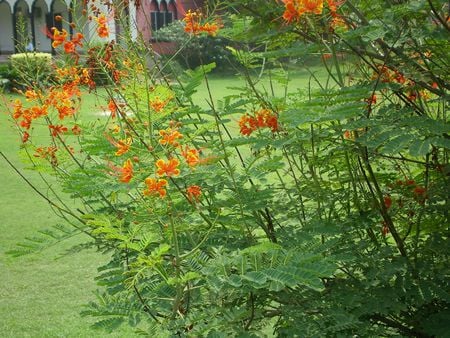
x,y
387,201
420,193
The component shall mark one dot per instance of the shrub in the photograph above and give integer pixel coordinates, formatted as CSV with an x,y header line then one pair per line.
x,y
7,75
32,69
309,212
196,51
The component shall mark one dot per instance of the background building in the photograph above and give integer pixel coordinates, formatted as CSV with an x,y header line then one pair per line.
x,y
143,17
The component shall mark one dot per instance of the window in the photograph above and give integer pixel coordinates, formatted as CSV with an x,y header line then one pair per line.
x,y
160,19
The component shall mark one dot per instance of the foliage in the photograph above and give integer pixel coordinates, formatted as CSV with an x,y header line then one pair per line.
x,y
32,68
196,51
318,212
98,62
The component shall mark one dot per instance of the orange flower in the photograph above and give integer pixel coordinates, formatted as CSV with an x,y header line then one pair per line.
x,y
290,13
70,46
210,28
123,146
155,186
191,156
58,129
126,171
294,9
25,137
169,168
76,130
58,37
102,28
48,153
38,111
263,118
312,6
157,104
65,111
191,22
112,107
17,109
348,135
78,39
246,125
31,95
193,26
193,193
169,137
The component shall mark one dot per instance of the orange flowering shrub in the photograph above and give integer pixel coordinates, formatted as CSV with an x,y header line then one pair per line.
x,y
330,220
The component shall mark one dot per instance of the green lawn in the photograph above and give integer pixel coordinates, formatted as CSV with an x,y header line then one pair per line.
x,y
41,296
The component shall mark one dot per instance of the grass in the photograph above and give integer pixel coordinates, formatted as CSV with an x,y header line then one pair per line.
x,y
41,295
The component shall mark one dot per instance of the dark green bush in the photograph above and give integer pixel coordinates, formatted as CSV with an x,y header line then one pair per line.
x,y
196,50
31,69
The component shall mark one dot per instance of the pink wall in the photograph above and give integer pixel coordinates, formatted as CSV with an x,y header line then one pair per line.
x,y
144,20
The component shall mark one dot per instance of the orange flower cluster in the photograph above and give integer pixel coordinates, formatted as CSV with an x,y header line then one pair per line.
x,y
126,172
168,168
102,29
112,108
57,129
76,130
157,104
155,187
31,95
61,99
193,193
419,192
60,38
193,25
29,114
263,118
169,137
123,146
387,74
191,156
48,153
294,9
